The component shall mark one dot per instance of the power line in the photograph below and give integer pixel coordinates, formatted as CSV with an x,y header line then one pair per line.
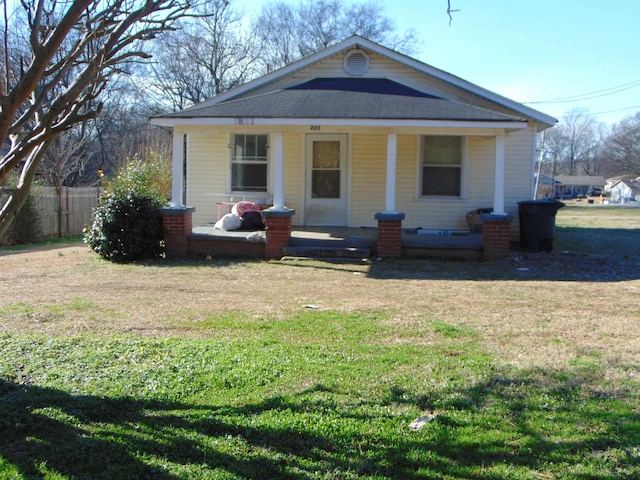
x,y
591,95
593,114
614,111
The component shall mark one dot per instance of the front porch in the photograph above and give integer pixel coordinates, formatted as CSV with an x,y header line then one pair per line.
x,y
280,239
335,242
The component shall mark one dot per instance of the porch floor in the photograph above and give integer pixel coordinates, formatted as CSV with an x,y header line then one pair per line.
x,y
453,245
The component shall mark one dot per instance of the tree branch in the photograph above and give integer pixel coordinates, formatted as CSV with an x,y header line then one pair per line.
x,y
450,11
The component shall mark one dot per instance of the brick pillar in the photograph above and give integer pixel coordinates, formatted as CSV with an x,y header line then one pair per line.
x,y
278,232
177,225
496,235
389,234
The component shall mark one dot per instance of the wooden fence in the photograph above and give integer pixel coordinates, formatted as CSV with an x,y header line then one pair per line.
x,y
66,213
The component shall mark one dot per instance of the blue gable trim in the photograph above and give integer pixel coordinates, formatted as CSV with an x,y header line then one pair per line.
x,y
382,86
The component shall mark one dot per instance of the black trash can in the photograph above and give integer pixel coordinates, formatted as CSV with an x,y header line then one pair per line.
x,y
538,224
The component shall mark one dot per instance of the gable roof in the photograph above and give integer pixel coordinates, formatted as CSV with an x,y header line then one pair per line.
x,y
632,184
580,180
360,99
350,98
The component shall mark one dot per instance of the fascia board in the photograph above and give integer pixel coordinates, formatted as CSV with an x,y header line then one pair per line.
x,y
338,122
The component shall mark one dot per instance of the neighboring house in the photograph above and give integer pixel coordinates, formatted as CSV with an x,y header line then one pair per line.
x,y
355,130
625,190
571,186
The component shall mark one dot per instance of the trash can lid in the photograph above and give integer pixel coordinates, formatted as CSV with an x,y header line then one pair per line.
x,y
546,201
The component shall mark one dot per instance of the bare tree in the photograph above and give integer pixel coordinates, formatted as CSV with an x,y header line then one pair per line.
x,y
289,33
573,144
206,56
88,41
122,131
277,27
66,155
622,147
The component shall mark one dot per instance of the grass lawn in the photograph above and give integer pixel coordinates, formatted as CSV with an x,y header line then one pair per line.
x,y
525,368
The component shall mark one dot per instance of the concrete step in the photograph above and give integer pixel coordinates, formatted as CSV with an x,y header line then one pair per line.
x,y
327,252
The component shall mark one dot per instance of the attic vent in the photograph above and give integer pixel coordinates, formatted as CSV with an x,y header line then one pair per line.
x,y
356,62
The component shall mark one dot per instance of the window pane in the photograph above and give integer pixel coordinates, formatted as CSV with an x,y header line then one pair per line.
x,y
238,150
326,154
250,146
442,150
261,141
325,184
441,181
249,177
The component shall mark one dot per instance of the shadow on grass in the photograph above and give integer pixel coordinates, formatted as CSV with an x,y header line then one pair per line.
x,y
619,244
103,438
51,244
526,424
580,254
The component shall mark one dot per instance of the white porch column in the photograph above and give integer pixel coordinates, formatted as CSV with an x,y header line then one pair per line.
x,y
177,169
277,156
390,198
498,178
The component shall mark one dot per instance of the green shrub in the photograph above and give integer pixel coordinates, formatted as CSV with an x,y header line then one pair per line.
x,y
26,226
127,225
151,178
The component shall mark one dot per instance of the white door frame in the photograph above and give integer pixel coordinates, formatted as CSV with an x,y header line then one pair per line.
x,y
326,212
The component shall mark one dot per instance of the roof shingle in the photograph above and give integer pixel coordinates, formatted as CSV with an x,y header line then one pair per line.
x,y
345,99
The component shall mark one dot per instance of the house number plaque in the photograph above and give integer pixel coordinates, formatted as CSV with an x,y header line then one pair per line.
x,y
315,127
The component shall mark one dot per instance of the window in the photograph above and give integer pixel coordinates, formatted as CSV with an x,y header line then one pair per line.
x,y
325,172
249,163
441,166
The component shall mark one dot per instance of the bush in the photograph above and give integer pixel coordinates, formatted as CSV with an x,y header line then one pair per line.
x,y
26,226
151,178
127,225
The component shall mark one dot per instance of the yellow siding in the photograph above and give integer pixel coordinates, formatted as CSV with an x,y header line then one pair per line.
x,y
444,213
519,168
293,171
379,67
368,176
207,173
519,152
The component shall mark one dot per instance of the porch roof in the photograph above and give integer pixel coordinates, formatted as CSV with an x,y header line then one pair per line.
x,y
580,180
342,99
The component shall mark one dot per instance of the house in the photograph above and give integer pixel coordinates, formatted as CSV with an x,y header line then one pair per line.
x,y
625,190
569,186
354,135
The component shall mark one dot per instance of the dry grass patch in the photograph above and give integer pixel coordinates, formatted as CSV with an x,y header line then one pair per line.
x,y
517,313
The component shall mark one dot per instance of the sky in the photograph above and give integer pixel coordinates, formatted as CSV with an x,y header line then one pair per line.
x,y
560,54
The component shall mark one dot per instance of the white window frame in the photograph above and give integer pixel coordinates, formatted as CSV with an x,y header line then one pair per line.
x,y
233,161
463,168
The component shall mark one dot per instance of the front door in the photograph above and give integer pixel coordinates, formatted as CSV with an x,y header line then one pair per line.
x,y
326,180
